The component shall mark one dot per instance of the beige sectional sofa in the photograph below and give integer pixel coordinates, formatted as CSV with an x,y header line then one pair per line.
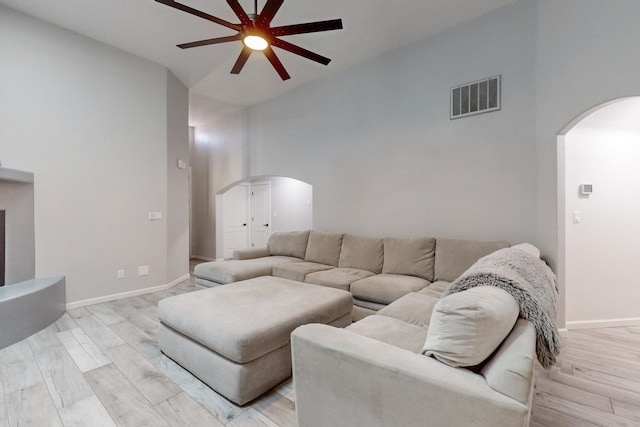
x,y
373,374
412,357
465,359
377,271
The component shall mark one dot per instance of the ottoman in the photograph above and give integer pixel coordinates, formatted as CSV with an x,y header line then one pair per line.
x,y
236,338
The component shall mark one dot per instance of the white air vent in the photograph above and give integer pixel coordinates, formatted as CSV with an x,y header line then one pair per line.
x,y
476,97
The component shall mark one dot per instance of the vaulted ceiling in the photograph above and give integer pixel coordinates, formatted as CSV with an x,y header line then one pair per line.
x,y
151,30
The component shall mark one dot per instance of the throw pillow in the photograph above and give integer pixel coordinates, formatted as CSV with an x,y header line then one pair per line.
x,y
467,327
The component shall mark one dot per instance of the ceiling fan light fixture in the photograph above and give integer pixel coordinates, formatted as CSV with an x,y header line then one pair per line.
x,y
257,34
255,42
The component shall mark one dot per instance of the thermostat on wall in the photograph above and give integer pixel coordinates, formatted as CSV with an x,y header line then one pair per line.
x,y
586,189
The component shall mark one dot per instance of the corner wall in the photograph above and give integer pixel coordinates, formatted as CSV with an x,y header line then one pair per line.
x,y
219,158
91,122
177,179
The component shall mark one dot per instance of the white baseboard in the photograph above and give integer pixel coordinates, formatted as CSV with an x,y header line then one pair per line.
x,y
178,280
128,294
606,323
564,332
202,258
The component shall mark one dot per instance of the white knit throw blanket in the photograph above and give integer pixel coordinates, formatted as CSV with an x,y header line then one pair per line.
x,y
532,284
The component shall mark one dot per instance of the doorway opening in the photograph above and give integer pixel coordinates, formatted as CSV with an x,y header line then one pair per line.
x,y
249,210
598,203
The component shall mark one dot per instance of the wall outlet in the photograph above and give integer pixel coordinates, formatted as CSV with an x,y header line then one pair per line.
x,y
120,274
155,216
143,270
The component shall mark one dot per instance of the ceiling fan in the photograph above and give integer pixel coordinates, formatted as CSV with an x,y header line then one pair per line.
x,y
256,33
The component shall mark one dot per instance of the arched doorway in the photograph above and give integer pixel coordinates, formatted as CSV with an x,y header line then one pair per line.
x,y
249,210
598,233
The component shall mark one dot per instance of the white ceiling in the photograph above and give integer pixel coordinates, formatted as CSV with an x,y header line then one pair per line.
x,y
151,30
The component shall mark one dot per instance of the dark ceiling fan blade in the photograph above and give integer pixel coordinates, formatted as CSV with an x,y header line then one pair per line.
x,y
200,14
239,11
242,59
310,27
300,51
271,56
268,12
210,41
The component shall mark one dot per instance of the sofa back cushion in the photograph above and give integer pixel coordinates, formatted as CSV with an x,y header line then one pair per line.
x,y
364,253
454,257
324,248
288,243
467,327
411,257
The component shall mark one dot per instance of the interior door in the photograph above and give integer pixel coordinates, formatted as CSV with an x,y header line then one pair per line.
x,y
236,219
261,214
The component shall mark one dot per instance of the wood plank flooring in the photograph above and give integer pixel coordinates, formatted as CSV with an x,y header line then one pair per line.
x,y
595,383
101,366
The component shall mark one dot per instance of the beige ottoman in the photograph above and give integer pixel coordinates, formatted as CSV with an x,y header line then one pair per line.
x,y
236,337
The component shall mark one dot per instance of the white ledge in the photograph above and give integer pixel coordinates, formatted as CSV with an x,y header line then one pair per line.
x,y
12,175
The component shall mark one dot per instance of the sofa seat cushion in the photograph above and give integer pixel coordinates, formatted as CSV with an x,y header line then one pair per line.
x,y
324,248
454,256
236,270
246,320
386,288
359,313
436,289
412,308
288,243
363,253
340,278
298,270
391,331
466,327
368,304
412,257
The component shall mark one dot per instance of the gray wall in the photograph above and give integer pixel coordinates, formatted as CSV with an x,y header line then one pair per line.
x,y
92,123
382,155
177,179
376,143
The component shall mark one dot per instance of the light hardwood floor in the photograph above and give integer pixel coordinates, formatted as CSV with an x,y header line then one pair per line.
x,y
100,366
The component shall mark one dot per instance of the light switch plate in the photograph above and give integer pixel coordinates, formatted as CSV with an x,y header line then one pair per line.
x,y
576,217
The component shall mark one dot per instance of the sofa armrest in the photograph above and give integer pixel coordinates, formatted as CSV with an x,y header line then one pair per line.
x,y
251,253
344,379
